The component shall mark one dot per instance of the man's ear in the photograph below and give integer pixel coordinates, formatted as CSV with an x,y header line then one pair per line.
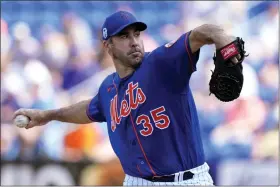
x,y
105,44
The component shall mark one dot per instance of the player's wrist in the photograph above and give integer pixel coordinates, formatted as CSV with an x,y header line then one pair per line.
x,y
49,115
222,39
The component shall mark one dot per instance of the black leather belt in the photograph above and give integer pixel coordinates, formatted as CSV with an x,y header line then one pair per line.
x,y
170,178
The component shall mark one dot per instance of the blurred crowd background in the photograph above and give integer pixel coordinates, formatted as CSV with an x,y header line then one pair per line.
x,y
51,57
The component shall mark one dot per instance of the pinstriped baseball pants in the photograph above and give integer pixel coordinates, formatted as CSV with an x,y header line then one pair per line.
x,y
201,177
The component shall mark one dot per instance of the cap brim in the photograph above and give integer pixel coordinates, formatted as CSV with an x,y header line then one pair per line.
x,y
140,26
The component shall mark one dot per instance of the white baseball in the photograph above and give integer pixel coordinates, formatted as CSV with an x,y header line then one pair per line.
x,y
21,121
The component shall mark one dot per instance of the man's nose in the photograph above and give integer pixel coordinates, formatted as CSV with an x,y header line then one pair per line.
x,y
133,42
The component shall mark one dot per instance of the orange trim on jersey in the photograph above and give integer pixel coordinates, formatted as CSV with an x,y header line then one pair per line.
x,y
133,125
187,49
139,170
117,97
88,114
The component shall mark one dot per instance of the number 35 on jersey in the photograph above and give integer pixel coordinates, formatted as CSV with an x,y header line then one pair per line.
x,y
157,116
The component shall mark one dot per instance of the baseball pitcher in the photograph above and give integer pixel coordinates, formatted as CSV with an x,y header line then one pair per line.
x,y
148,104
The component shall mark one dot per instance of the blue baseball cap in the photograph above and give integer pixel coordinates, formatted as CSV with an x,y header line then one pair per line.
x,y
116,22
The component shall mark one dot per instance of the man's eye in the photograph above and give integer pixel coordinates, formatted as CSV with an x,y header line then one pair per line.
x,y
123,36
137,34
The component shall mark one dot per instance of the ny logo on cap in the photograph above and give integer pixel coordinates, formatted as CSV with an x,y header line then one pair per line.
x,y
105,33
124,15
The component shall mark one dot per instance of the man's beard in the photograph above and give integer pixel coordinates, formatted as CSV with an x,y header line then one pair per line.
x,y
131,62
137,65
127,61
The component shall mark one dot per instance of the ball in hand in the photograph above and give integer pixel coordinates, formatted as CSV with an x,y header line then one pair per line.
x,y
21,121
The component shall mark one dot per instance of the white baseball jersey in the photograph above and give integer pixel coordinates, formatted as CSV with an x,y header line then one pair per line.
x,y
201,177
